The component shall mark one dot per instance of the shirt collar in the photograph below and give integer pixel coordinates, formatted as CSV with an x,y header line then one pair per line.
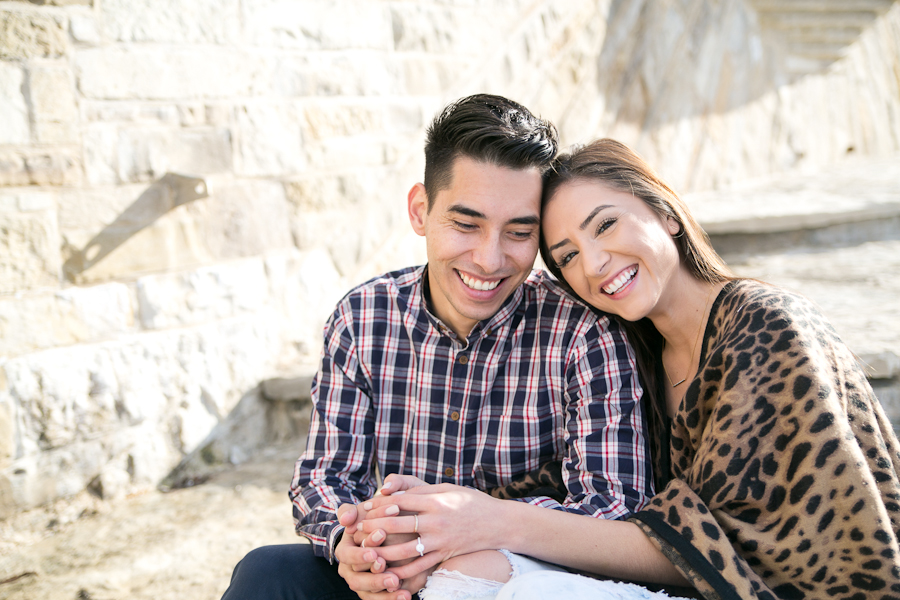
x,y
506,311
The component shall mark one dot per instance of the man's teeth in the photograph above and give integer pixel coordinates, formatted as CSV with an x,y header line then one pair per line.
x,y
477,284
620,281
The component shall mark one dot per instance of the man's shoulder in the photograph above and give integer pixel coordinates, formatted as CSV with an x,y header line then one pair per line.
x,y
543,290
379,293
393,282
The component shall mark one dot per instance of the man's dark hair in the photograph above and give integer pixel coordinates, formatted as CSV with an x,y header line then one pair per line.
x,y
489,129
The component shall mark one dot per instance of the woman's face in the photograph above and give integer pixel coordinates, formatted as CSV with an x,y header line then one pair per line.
x,y
614,251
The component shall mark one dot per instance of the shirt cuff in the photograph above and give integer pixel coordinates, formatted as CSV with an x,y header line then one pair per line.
x,y
334,537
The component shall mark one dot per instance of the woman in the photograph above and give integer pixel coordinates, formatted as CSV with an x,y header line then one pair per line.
x,y
776,468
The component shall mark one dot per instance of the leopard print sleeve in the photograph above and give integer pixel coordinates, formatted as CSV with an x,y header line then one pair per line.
x,y
786,469
546,480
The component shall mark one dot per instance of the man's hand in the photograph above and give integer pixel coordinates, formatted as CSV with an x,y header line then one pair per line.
x,y
361,567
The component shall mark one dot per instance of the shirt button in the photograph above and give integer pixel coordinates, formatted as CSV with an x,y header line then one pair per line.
x,y
463,359
455,415
448,471
489,332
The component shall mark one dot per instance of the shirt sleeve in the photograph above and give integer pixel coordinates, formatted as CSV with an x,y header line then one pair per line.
x,y
606,468
336,467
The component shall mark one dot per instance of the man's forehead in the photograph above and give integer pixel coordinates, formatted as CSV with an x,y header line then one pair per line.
x,y
483,190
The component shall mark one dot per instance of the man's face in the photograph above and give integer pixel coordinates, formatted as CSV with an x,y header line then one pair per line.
x,y
481,236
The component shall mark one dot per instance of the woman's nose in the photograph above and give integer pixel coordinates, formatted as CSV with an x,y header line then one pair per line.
x,y
595,263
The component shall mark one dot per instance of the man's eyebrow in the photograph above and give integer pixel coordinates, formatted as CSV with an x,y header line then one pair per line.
x,y
529,220
591,216
469,212
466,211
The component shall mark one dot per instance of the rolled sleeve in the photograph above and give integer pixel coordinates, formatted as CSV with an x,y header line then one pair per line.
x,y
335,469
607,468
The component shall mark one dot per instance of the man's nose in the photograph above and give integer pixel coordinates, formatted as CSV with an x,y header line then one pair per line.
x,y
488,254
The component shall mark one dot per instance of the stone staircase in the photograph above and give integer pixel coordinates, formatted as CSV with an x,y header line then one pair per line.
x,y
816,33
833,236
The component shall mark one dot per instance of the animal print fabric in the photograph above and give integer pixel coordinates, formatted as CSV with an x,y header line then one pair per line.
x,y
784,467
546,480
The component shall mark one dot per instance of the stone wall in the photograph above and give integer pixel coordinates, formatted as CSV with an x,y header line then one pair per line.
x,y
187,187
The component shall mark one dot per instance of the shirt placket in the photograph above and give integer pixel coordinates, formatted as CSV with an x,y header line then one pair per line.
x,y
453,431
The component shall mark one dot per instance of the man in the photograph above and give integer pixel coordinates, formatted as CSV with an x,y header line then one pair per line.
x,y
471,370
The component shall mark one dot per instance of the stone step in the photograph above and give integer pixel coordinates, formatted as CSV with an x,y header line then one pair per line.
x,y
818,35
849,203
858,289
821,6
788,20
832,235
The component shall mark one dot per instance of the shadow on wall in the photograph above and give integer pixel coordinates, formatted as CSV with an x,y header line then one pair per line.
x,y
170,191
661,62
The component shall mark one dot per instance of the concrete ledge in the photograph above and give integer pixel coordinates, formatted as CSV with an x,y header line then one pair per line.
x,y
883,365
805,220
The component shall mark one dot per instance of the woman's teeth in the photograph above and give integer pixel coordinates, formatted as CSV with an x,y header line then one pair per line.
x,y
620,281
477,284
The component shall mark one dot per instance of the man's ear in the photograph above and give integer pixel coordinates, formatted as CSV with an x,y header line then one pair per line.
x,y
417,204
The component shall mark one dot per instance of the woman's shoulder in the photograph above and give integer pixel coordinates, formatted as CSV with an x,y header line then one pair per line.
x,y
753,307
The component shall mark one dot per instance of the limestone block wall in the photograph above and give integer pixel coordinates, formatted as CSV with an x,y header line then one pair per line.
x,y
711,95
188,186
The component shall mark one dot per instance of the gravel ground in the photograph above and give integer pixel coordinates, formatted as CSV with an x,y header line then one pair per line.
x,y
177,545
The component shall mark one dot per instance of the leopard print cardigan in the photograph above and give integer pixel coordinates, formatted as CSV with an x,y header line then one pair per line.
x,y
784,469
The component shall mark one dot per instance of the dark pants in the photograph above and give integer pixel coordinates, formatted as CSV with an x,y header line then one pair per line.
x,y
288,572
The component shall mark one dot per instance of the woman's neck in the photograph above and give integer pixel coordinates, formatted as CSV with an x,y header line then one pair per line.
x,y
682,312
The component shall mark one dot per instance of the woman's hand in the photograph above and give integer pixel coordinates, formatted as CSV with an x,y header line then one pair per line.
x,y
448,520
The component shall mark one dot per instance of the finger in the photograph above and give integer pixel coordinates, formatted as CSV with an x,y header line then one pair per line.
x,y
422,563
369,582
395,482
399,551
347,514
382,510
403,524
398,595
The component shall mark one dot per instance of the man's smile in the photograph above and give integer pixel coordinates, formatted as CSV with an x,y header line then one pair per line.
x,y
478,284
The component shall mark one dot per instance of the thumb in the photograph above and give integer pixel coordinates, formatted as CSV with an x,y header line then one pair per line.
x,y
347,514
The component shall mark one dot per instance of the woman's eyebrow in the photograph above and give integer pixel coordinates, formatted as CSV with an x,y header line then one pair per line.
x,y
593,214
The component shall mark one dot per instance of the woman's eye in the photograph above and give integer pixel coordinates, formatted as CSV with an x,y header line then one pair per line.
x,y
604,225
565,259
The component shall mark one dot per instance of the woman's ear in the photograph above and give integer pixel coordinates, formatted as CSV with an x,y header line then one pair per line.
x,y
674,227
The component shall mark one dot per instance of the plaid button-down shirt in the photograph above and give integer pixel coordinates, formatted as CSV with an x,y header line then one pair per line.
x,y
543,379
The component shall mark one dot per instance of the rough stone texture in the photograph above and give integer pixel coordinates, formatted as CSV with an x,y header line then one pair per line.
x,y
15,128
305,121
174,21
29,256
117,154
310,25
29,34
123,412
44,320
53,104
203,295
57,166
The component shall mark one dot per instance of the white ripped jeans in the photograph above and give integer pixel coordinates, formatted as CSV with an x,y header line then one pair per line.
x,y
531,579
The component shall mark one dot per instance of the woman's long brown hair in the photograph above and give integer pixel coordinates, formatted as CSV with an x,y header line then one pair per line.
x,y
614,164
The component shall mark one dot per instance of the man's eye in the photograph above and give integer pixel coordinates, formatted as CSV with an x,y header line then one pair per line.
x,y
464,226
523,235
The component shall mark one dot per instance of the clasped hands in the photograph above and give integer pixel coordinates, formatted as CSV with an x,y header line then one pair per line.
x,y
378,552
